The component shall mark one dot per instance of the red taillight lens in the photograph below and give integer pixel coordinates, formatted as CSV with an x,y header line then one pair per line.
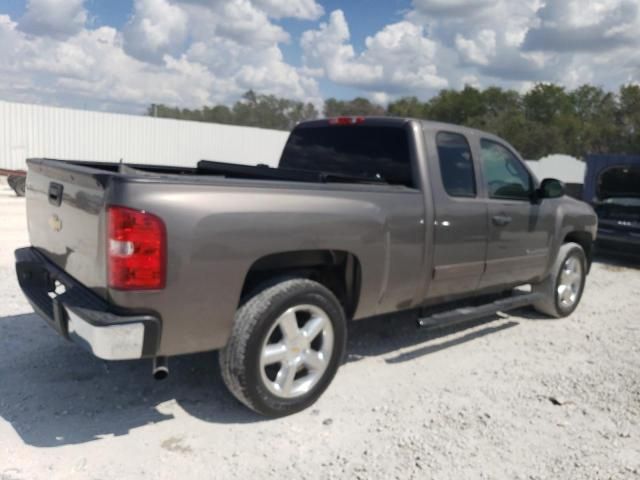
x,y
137,244
345,120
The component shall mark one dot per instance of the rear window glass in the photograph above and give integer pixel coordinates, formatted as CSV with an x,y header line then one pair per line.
x,y
355,150
619,182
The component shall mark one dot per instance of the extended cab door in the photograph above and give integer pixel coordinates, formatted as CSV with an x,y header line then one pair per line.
x,y
460,230
520,229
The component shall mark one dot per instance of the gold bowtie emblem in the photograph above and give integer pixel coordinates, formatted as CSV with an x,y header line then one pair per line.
x,y
55,223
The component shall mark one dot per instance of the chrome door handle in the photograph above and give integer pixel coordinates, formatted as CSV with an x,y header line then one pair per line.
x,y
501,220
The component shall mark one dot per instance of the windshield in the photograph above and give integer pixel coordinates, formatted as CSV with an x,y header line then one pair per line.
x,y
380,153
618,183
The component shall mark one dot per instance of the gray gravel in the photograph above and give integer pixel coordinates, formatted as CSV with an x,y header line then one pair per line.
x,y
510,397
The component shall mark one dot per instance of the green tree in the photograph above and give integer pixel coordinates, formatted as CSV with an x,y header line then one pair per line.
x,y
629,118
456,107
548,119
357,106
594,118
408,107
545,102
266,111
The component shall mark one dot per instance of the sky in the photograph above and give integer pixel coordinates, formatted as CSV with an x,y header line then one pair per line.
x,y
123,55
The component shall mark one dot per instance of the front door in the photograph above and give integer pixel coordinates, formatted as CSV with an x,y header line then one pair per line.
x,y
519,229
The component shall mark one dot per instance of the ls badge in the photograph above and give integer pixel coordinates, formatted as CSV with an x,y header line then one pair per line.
x,y
55,223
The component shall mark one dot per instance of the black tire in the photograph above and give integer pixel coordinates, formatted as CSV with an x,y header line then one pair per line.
x,y
18,184
240,358
551,304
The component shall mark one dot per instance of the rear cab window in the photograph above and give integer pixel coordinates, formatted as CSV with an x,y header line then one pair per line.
x,y
359,150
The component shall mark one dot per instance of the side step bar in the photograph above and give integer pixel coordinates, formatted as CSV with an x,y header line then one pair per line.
x,y
465,314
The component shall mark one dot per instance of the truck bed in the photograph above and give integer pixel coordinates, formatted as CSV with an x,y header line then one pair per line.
x,y
221,220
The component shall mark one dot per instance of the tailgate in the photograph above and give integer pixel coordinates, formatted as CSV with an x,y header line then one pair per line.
x,y
65,216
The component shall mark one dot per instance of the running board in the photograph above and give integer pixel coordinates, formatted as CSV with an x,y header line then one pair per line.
x,y
465,314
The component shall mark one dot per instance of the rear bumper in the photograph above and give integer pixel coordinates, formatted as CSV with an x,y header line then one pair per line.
x,y
78,314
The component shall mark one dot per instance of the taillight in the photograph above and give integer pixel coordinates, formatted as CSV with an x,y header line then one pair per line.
x,y
345,120
137,245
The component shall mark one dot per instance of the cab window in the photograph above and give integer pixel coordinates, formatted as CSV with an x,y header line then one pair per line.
x,y
504,174
456,165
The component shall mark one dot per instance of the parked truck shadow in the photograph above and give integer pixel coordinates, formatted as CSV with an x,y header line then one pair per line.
x,y
53,393
388,335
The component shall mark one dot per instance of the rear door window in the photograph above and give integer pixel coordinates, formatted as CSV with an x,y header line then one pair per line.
x,y
375,152
456,165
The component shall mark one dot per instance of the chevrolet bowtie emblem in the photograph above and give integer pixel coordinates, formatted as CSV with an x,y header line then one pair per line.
x,y
55,223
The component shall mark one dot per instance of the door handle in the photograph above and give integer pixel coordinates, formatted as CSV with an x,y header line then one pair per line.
x,y
501,220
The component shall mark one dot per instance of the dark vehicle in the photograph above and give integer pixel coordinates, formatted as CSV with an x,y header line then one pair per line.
x,y
16,180
612,186
363,217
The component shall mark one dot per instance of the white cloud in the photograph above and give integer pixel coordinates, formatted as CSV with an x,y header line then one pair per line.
x,y
187,54
477,51
450,7
195,52
303,9
326,48
56,18
398,59
156,28
594,26
92,68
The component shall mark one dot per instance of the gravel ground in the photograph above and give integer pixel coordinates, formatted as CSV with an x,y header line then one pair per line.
x,y
509,397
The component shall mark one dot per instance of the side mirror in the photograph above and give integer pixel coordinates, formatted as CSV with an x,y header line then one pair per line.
x,y
551,188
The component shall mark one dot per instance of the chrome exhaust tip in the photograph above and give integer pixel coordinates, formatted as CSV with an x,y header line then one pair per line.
x,y
160,369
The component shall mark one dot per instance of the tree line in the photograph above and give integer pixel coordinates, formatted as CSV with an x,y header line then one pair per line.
x,y
547,119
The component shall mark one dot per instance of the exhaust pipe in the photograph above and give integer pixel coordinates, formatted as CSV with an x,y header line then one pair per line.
x,y
160,368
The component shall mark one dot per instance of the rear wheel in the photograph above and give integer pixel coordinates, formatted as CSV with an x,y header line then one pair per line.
x,y
562,289
287,343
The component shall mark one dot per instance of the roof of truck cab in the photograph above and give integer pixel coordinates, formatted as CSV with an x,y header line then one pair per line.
x,y
398,121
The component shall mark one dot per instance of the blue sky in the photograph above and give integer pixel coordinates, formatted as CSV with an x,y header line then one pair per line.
x,y
121,55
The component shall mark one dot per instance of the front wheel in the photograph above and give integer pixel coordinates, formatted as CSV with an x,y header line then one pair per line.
x,y
287,343
562,289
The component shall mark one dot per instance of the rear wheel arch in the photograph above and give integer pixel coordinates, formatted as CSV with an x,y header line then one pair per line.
x,y
337,270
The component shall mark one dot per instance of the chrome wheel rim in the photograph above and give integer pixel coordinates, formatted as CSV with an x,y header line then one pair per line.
x,y
296,352
570,282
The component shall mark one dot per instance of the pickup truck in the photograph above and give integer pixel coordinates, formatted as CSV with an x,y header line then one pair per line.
x,y
362,217
612,187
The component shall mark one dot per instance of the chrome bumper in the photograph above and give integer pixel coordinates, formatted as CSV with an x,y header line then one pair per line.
x,y
80,315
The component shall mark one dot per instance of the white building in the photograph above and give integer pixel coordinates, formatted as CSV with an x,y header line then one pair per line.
x,y
39,131
563,167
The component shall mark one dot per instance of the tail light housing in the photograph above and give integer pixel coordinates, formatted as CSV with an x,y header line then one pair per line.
x,y
137,246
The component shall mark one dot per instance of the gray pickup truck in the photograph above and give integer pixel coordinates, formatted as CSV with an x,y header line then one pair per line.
x,y
363,217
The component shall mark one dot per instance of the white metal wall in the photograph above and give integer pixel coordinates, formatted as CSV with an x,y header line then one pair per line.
x,y
38,131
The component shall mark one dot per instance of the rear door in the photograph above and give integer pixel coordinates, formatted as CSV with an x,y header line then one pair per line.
x,y
520,230
460,230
